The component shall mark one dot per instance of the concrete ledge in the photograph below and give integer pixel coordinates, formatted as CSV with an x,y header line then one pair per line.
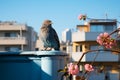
x,y
33,53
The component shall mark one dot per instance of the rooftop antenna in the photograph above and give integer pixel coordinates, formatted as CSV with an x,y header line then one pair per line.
x,y
106,16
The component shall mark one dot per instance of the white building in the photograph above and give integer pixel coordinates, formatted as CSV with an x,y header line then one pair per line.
x,y
16,37
66,35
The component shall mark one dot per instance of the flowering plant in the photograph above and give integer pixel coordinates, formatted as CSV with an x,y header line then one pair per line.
x,y
81,16
88,67
73,69
105,40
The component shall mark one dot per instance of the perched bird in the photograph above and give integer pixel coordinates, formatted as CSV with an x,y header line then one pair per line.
x,y
49,36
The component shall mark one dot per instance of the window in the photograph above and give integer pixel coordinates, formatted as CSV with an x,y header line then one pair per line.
x,y
10,34
13,35
36,49
7,34
101,28
79,48
14,49
7,48
64,48
96,28
109,28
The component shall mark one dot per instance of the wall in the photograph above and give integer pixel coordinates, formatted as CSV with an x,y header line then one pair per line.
x,y
34,65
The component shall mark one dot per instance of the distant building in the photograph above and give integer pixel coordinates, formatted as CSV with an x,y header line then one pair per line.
x,y
66,35
66,47
85,39
39,45
65,44
86,34
16,37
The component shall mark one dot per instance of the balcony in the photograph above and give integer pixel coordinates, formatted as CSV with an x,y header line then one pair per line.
x,y
13,28
102,57
84,36
13,41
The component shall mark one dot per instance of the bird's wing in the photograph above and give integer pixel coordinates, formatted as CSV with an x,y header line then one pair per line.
x,y
56,37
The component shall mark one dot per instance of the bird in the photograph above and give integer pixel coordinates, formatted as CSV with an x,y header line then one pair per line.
x,y
49,36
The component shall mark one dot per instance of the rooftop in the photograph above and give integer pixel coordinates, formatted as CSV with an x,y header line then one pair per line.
x,y
103,21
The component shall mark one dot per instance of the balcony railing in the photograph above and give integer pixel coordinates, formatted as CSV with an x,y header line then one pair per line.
x,y
13,28
102,57
13,41
84,36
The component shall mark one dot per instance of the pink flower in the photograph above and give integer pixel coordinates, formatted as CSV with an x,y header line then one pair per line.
x,y
88,67
106,40
81,16
105,34
73,69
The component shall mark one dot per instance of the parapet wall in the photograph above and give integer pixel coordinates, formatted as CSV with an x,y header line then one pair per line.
x,y
31,65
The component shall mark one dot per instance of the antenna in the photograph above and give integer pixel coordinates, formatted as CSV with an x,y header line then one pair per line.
x,y
106,16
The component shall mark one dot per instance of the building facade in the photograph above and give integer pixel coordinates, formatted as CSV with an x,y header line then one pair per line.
x,y
16,37
66,35
86,40
66,43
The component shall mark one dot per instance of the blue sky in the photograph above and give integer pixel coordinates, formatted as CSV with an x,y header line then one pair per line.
x,y
63,13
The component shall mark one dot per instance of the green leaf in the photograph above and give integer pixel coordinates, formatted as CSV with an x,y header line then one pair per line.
x,y
61,70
